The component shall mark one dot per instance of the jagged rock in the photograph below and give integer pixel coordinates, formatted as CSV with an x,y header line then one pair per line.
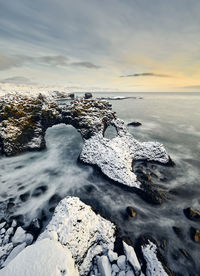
x,y
131,212
121,262
178,231
192,214
112,256
115,268
104,266
88,95
156,264
132,258
21,236
24,120
2,224
195,234
84,233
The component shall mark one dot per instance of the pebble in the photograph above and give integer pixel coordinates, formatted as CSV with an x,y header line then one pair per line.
x,y
21,236
115,268
130,273
14,223
2,231
104,266
112,256
121,262
2,224
122,273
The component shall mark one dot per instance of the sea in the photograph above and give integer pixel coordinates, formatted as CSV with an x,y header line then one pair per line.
x,y
33,183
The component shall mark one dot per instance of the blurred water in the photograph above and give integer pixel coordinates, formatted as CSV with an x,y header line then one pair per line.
x,y
33,183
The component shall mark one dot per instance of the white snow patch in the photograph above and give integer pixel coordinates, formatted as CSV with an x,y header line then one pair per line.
x,y
45,257
83,232
132,258
154,266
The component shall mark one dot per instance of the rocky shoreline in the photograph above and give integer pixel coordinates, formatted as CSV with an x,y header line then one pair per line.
x,y
84,239
24,121
89,244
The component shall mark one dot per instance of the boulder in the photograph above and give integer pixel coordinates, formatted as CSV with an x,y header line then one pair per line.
x,y
131,212
192,214
88,95
84,233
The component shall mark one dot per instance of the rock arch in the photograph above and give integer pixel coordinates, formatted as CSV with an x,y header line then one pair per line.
x,y
24,120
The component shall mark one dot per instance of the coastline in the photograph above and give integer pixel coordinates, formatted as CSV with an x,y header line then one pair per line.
x,y
85,133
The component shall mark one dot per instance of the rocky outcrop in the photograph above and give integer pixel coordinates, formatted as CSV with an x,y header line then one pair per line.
x,y
24,120
84,233
78,241
192,214
13,239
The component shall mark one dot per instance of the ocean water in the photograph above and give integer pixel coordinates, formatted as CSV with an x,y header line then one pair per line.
x,y
33,183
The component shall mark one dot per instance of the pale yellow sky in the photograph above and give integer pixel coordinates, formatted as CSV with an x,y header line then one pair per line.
x,y
90,45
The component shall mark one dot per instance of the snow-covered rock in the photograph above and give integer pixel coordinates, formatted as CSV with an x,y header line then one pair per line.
x,y
115,156
84,233
14,253
21,236
112,256
104,266
24,120
115,268
121,262
44,258
153,266
132,258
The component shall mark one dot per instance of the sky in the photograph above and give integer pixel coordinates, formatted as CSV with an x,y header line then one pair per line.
x,y
107,45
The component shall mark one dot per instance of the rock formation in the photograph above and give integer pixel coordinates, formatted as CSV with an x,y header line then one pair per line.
x,y
79,242
24,120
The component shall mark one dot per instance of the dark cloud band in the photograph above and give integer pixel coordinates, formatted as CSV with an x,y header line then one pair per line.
x,y
146,75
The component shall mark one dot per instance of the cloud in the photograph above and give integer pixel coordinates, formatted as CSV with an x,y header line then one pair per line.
x,y
54,60
9,62
85,64
147,75
17,80
191,87
57,61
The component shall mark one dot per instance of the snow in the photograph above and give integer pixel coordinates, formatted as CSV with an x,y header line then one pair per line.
x,y
153,265
21,236
121,262
112,256
104,266
14,253
132,258
83,232
44,258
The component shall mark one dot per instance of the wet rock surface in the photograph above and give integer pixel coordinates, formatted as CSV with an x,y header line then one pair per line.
x,y
192,214
84,236
24,120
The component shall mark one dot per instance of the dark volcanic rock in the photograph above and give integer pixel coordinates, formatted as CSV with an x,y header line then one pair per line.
x,y
24,121
178,231
134,124
131,212
195,234
88,95
192,214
